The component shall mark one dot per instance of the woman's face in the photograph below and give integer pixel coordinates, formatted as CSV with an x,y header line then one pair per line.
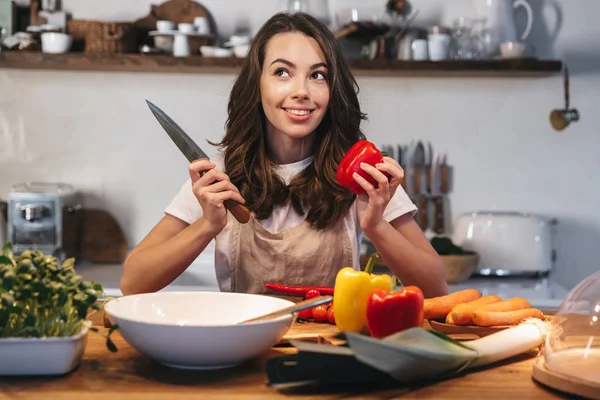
x,y
293,85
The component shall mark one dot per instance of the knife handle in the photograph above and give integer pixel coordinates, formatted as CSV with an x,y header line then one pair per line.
x,y
417,178
438,214
445,175
239,211
422,214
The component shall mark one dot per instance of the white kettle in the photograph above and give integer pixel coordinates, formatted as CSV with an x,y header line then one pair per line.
x,y
500,23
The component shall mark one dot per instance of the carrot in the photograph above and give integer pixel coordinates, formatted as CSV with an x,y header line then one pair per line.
x,y
512,304
462,314
439,307
500,318
449,319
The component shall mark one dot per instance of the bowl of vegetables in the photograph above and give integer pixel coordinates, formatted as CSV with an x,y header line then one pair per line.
x,y
199,330
460,263
43,309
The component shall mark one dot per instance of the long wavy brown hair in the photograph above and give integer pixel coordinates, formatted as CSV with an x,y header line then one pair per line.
x,y
315,191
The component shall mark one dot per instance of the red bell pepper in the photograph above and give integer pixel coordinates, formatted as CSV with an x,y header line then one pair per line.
x,y
362,151
388,313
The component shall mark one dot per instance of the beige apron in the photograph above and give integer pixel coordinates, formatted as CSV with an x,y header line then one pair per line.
x,y
297,256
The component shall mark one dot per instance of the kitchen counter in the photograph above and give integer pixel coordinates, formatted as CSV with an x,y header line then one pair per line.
x,y
127,374
542,292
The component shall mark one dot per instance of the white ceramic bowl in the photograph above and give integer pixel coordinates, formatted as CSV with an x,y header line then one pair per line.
x,y
56,42
196,330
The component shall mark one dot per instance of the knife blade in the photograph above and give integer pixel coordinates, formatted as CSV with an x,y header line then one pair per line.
x,y
193,152
437,196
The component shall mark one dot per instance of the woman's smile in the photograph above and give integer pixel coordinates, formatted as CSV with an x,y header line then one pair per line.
x,y
298,114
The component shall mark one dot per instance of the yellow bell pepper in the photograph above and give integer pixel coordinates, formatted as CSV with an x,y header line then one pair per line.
x,y
351,292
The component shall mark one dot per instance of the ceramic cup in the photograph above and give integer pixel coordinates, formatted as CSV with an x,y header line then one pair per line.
x,y
201,24
56,43
438,45
513,49
165,26
186,28
420,50
181,46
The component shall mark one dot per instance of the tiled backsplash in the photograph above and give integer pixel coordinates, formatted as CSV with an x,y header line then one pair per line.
x,y
94,130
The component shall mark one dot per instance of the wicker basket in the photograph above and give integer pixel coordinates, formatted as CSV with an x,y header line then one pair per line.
x,y
103,37
460,268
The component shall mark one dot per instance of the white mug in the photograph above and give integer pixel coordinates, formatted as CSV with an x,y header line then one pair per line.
x,y
201,24
165,26
185,28
419,50
181,46
438,45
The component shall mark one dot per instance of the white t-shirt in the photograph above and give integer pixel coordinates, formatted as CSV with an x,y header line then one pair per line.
x,y
186,207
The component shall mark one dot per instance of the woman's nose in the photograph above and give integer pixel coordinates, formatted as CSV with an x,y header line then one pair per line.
x,y
300,89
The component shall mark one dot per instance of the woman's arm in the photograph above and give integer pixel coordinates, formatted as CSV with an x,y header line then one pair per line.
x,y
409,255
170,247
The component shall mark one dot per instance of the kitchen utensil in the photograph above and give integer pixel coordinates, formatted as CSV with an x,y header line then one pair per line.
x,y
420,189
193,152
3,211
445,175
437,196
198,330
102,238
302,305
560,119
500,23
509,243
46,217
571,356
480,331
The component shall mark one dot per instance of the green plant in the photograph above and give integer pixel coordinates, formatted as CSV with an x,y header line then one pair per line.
x,y
39,297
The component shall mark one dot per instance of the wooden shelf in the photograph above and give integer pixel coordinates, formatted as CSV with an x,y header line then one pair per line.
x,y
198,64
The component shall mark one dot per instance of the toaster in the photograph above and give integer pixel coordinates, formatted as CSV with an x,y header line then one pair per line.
x,y
509,243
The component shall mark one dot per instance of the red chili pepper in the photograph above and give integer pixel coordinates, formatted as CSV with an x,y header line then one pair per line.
x,y
362,151
298,290
311,294
388,313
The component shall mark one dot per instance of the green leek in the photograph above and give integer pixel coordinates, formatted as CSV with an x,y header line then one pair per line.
x,y
417,354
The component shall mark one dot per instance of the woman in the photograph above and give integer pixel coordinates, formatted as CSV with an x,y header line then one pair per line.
x,y
293,113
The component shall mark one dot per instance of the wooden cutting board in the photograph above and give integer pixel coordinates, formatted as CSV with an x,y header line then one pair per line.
x,y
311,331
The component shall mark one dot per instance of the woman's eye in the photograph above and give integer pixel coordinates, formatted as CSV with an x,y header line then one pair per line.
x,y
281,72
318,75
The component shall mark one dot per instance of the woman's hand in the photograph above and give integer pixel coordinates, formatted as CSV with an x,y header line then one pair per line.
x,y
212,187
370,206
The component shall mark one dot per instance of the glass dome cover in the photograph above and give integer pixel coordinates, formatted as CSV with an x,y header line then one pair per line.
x,y
572,345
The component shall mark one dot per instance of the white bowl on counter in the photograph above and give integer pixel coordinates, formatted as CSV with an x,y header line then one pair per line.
x,y
197,330
56,42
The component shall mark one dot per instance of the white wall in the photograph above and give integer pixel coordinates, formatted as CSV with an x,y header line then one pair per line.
x,y
94,130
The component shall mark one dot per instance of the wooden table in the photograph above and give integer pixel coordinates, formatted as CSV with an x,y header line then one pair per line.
x,y
127,375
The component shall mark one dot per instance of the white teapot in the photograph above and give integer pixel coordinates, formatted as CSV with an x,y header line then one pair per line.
x,y
500,23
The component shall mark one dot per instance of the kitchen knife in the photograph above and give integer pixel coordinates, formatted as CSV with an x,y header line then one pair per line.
x,y
437,196
419,185
193,152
